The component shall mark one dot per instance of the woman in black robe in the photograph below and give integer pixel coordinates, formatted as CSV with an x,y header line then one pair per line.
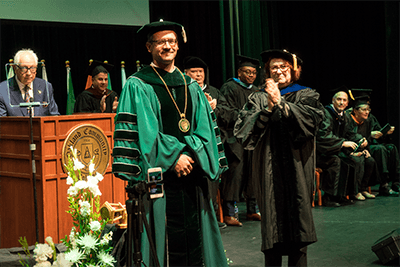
x,y
279,124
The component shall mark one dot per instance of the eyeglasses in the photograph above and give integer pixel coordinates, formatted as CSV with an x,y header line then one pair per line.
x,y
282,68
365,109
162,42
249,72
25,69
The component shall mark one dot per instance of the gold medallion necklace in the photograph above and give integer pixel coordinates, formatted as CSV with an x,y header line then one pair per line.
x,y
183,124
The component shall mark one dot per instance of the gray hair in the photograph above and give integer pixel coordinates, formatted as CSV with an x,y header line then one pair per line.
x,y
25,51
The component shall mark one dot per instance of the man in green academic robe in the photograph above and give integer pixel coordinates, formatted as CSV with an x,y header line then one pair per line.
x,y
164,120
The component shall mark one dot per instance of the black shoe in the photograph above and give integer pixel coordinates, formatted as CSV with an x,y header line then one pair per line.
x,y
327,202
345,202
222,225
386,192
396,187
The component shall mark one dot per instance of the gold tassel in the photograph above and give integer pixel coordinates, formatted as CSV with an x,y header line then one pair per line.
x,y
184,35
294,62
351,95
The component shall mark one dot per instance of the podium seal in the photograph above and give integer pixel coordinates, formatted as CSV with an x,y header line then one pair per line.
x,y
89,141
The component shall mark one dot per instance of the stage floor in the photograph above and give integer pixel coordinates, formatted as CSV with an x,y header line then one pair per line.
x,y
345,235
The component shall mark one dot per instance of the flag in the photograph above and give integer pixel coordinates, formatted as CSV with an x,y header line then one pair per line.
x,y
88,82
10,73
109,82
123,75
109,78
44,73
89,77
70,92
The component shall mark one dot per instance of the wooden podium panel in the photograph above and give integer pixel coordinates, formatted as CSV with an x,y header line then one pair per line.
x,y
17,216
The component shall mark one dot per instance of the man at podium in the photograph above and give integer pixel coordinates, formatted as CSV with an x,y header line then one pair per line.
x,y
25,87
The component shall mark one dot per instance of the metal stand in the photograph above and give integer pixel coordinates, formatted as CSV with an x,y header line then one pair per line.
x,y
32,148
136,219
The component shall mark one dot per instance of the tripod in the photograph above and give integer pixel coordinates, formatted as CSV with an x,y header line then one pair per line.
x,y
136,219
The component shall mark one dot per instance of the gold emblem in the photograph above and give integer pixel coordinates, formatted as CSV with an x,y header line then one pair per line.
x,y
184,125
39,92
89,141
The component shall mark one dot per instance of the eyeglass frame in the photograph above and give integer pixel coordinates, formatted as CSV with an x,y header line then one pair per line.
x,y
364,109
248,72
162,42
26,69
282,68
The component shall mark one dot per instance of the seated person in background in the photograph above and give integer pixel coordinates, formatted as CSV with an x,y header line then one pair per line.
x,y
25,87
335,146
197,69
97,99
385,155
330,147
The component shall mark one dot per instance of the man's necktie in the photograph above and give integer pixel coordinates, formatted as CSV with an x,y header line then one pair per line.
x,y
26,98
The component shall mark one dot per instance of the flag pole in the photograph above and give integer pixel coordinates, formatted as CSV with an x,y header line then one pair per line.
x,y
137,65
123,74
109,78
89,78
44,73
11,71
70,90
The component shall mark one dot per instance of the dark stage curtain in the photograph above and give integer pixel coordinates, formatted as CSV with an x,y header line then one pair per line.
x,y
392,67
247,30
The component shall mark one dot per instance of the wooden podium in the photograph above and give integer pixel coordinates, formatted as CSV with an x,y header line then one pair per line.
x,y
17,215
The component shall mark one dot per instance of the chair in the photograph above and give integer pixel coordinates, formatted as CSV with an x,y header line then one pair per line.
x,y
220,216
318,172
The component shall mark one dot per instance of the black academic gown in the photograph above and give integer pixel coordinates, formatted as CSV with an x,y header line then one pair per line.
x,y
89,101
282,141
235,180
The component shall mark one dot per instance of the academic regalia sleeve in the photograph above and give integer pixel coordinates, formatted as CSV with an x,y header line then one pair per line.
x,y
205,141
252,122
223,110
85,103
327,142
139,143
306,113
231,96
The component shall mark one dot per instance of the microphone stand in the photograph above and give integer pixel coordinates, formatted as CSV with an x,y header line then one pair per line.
x,y
32,148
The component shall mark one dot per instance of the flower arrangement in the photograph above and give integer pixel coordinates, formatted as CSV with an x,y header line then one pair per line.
x,y
85,244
